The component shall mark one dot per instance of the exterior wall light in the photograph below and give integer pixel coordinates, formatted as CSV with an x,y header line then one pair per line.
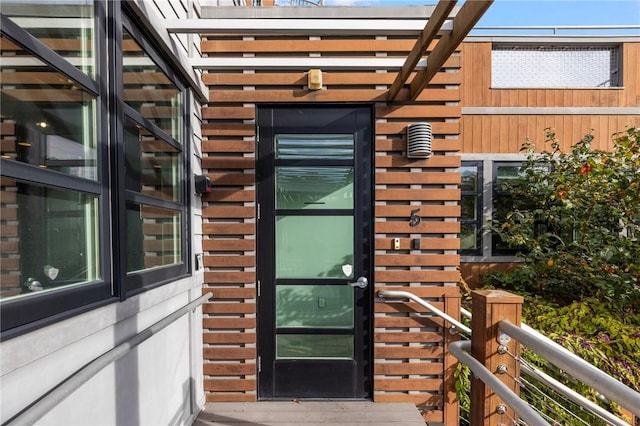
x,y
314,77
419,139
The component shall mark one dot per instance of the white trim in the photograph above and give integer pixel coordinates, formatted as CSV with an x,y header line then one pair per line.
x,y
333,27
552,110
176,55
355,63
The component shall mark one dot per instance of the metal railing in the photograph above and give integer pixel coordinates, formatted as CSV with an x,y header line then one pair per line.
x,y
546,348
36,410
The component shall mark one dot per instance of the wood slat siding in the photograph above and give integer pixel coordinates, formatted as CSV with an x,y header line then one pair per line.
x,y
409,348
505,133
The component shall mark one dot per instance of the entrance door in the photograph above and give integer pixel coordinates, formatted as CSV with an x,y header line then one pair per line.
x,y
314,251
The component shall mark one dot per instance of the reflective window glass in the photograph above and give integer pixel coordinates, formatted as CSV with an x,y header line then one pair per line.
x,y
50,238
66,27
47,120
153,165
314,187
148,90
301,146
153,237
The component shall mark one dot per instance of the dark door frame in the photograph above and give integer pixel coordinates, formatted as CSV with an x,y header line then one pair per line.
x,y
314,118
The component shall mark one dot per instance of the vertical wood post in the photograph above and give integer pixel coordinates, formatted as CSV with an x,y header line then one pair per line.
x,y
451,403
489,308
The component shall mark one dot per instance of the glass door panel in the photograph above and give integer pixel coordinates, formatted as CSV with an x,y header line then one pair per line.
x,y
314,187
314,306
314,247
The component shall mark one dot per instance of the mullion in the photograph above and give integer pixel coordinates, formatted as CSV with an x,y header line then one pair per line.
x,y
153,128
43,53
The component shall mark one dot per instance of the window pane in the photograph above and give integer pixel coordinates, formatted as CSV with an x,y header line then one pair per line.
x,y
49,238
335,147
47,120
153,237
148,90
153,165
314,187
554,66
314,346
314,247
314,306
469,178
469,207
505,175
469,237
66,27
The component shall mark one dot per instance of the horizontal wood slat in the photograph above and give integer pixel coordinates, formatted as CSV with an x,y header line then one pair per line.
x,y
409,384
229,245
229,353
335,95
417,194
211,369
425,243
226,228
405,352
229,277
406,368
231,397
219,338
434,161
229,323
425,211
423,276
229,308
232,292
428,177
424,227
417,260
229,385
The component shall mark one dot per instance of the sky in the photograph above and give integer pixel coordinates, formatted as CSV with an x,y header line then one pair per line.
x,y
540,12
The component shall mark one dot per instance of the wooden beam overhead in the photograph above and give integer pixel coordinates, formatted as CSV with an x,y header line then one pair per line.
x,y
465,19
431,29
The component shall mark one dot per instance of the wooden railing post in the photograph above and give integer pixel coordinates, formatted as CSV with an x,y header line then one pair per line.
x,y
489,308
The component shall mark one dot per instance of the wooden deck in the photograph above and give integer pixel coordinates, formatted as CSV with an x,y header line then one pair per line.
x,y
309,413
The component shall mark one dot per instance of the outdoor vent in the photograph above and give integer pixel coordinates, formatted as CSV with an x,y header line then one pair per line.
x,y
419,140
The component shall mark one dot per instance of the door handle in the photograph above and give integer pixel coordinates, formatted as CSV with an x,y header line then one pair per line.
x,y
361,282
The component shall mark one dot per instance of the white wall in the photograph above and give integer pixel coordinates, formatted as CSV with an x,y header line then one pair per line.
x,y
157,383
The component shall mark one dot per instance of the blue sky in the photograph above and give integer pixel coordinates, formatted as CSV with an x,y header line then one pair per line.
x,y
541,12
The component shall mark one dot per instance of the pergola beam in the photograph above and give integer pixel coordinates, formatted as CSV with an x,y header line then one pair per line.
x,y
431,29
465,19
305,27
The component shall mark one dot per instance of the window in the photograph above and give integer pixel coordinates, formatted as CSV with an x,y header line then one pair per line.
x,y
485,197
93,192
471,208
503,174
554,66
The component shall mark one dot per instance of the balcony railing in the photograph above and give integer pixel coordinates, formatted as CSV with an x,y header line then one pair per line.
x,y
500,373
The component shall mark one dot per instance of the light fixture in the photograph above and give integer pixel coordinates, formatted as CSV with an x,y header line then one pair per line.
x,y
314,77
419,139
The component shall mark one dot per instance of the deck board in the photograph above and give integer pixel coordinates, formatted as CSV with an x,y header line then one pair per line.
x,y
309,413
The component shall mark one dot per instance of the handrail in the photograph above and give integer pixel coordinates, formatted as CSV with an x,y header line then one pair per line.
x,y
574,396
460,350
575,366
36,410
561,388
393,294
